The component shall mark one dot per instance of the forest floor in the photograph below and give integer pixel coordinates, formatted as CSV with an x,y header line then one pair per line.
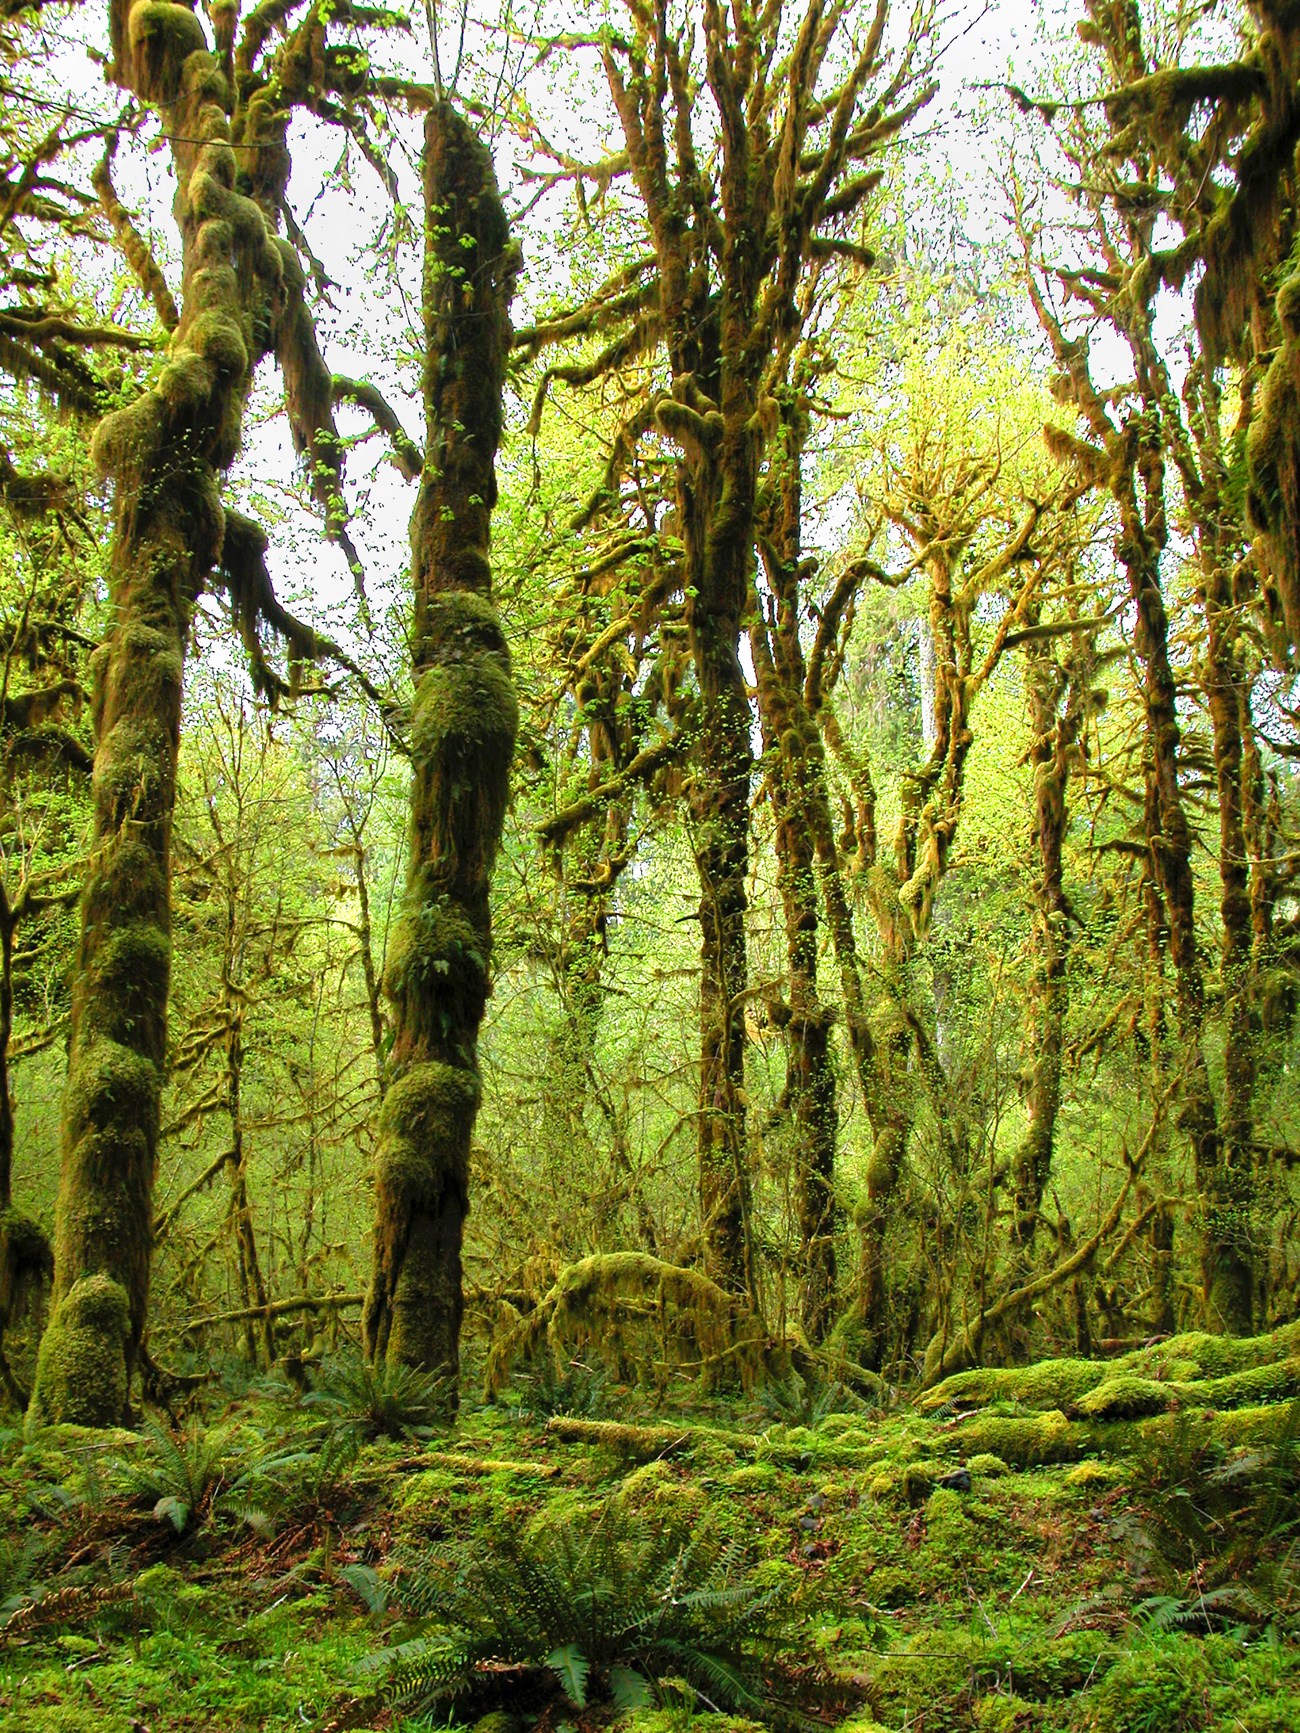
x,y
1006,1554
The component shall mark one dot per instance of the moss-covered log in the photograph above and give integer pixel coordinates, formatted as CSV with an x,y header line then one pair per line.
x,y
463,727
164,453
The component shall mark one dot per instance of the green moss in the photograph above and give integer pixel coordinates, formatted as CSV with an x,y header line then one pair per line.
x,y
1154,1688
426,1100
1277,1382
1094,1474
218,338
1125,1398
109,1084
436,950
466,712
1022,1442
458,623
127,980
987,1466
1049,1384
752,1477
81,1366
162,38
427,1491
124,438
186,382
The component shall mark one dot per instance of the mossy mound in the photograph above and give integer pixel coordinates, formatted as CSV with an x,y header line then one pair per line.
x,y
81,1369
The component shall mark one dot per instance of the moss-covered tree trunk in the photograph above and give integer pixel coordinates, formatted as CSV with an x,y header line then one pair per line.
x,y
716,489
1227,1279
1230,1273
463,725
1053,734
791,748
886,1091
164,454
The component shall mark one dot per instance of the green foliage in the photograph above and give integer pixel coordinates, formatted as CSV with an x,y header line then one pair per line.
x,y
1216,1532
574,1389
611,1602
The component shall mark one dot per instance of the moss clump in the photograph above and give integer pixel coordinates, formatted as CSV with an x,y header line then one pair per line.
x,y
466,715
424,1111
437,952
81,1369
128,983
987,1466
1094,1474
462,623
162,38
1125,1398
108,1085
752,1477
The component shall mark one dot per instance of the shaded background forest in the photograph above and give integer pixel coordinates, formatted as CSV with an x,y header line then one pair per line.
x,y
1020,944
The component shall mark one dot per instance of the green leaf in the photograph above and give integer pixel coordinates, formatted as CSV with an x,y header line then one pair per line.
x,y
629,1689
571,1668
173,1510
365,1584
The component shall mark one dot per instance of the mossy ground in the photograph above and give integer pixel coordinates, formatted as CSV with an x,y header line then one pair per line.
x,y
1012,1602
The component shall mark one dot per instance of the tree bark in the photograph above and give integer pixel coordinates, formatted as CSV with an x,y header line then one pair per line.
x,y
463,728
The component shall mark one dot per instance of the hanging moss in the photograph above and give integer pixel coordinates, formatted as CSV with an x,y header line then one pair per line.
x,y
642,1318
81,1366
26,1263
162,37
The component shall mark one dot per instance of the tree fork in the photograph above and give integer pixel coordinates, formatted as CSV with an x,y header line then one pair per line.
x,y
464,720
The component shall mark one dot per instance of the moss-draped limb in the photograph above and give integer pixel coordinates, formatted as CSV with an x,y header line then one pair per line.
x,y
463,724
643,1316
164,453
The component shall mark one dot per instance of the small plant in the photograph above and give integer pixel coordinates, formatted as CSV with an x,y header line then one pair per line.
x,y
577,1391
374,1400
807,1400
20,1561
617,1610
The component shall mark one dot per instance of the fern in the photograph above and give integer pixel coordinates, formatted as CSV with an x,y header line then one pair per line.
x,y
179,1473
611,1609
374,1400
